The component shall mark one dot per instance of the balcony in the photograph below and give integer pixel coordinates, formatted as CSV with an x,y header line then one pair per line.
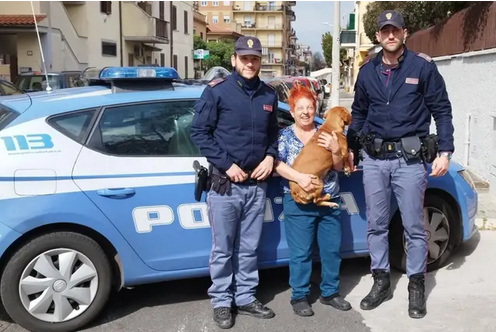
x,y
273,61
291,14
271,44
291,3
73,3
139,27
348,38
264,7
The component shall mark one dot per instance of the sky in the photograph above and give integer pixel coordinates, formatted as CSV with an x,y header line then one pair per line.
x,y
310,18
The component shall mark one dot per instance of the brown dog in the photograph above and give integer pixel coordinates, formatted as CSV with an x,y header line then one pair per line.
x,y
317,160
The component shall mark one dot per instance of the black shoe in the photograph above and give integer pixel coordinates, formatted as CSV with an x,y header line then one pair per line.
x,y
336,301
380,292
256,309
301,307
416,296
223,317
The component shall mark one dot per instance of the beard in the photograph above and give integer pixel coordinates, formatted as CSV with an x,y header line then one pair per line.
x,y
391,48
240,73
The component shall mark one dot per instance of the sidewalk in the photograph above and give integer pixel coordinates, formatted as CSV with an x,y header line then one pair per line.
x,y
486,214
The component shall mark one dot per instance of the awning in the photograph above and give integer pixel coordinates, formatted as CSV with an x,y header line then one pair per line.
x,y
20,20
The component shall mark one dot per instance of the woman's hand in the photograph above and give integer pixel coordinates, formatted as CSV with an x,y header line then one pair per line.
x,y
329,142
307,181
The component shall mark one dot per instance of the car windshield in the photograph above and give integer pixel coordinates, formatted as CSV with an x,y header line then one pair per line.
x,y
33,83
215,72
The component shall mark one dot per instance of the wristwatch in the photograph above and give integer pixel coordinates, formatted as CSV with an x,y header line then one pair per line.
x,y
446,154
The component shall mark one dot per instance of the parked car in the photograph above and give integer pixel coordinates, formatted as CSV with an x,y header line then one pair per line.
x,y
8,89
97,194
281,88
36,81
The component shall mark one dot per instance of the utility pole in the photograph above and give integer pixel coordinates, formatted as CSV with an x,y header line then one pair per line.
x,y
336,46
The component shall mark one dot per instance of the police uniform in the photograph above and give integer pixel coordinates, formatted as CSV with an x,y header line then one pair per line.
x,y
392,111
235,122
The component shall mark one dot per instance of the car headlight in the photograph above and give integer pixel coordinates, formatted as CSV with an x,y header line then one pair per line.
x,y
466,176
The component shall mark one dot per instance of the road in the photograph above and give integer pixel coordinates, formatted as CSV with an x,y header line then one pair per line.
x,y
345,99
461,297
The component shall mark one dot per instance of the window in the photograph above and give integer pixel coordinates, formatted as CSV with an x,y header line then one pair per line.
x,y
161,10
215,3
74,125
247,20
109,48
215,19
9,89
174,62
185,22
226,3
6,117
227,19
174,18
162,59
149,129
106,7
284,119
186,67
74,81
203,3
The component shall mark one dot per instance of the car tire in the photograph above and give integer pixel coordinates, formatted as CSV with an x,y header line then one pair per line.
x,y
450,222
86,261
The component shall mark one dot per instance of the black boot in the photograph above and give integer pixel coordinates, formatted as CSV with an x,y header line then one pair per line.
x,y
380,292
223,317
416,296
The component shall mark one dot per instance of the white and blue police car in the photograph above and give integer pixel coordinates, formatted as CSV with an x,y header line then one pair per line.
x,y
97,193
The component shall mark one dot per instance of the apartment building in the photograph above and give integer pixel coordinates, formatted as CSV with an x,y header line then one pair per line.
x,y
79,34
363,43
270,21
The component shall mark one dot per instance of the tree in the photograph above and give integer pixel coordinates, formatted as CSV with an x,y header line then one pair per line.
x,y
327,48
220,53
198,43
318,61
418,15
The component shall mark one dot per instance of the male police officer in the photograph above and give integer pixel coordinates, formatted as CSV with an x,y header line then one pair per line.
x,y
235,127
395,95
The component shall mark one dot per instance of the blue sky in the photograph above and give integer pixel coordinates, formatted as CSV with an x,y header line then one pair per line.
x,y
310,16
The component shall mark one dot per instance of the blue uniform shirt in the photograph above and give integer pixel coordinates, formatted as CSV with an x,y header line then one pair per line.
x,y
400,103
289,147
236,122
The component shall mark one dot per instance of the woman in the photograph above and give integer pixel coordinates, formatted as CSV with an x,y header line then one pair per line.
x,y
303,221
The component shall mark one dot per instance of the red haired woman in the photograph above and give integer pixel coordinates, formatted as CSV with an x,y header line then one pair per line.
x,y
302,222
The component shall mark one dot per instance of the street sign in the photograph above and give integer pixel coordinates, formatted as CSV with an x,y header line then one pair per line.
x,y
201,54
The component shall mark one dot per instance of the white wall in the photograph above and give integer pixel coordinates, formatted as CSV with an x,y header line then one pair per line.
x,y
470,83
183,43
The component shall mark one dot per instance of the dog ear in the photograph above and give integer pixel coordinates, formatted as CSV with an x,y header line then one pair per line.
x,y
345,116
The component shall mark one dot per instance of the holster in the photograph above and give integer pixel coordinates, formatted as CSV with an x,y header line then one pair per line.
x,y
429,148
201,180
411,148
356,145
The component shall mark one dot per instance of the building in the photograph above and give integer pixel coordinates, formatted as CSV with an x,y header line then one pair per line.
x,y
269,21
363,43
199,22
303,60
79,34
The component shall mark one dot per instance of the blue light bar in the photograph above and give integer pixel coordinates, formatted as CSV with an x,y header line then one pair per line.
x,y
115,73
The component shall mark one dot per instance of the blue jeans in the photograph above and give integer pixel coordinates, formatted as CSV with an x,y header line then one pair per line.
x,y
301,223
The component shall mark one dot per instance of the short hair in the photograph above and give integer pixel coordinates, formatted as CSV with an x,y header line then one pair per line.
x,y
300,91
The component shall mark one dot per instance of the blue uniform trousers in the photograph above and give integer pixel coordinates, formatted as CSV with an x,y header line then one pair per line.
x,y
407,180
302,223
236,221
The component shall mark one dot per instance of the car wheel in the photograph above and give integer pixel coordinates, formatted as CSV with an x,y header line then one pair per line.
x,y
57,282
443,234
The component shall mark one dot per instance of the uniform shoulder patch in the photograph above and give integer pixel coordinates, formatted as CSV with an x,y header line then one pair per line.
x,y
425,57
216,81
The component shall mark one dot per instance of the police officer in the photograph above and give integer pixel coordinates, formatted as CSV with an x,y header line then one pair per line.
x,y
235,127
395,95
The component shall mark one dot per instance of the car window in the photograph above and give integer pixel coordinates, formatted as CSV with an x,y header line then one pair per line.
x,y
8,90
34,83
6,117
148,129
284,118
74,125
74,80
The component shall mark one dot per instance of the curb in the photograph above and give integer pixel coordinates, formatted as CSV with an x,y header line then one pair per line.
x,y
488,224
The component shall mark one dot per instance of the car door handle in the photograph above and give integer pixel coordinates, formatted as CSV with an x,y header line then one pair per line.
x,y
116,192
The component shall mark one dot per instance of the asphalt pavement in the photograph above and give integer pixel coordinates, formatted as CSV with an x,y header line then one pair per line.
x,y
461,297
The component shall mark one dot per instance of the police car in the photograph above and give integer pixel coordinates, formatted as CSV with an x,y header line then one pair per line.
x,y
97,193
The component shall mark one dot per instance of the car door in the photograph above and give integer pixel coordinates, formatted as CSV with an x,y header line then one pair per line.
x,y
137,169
